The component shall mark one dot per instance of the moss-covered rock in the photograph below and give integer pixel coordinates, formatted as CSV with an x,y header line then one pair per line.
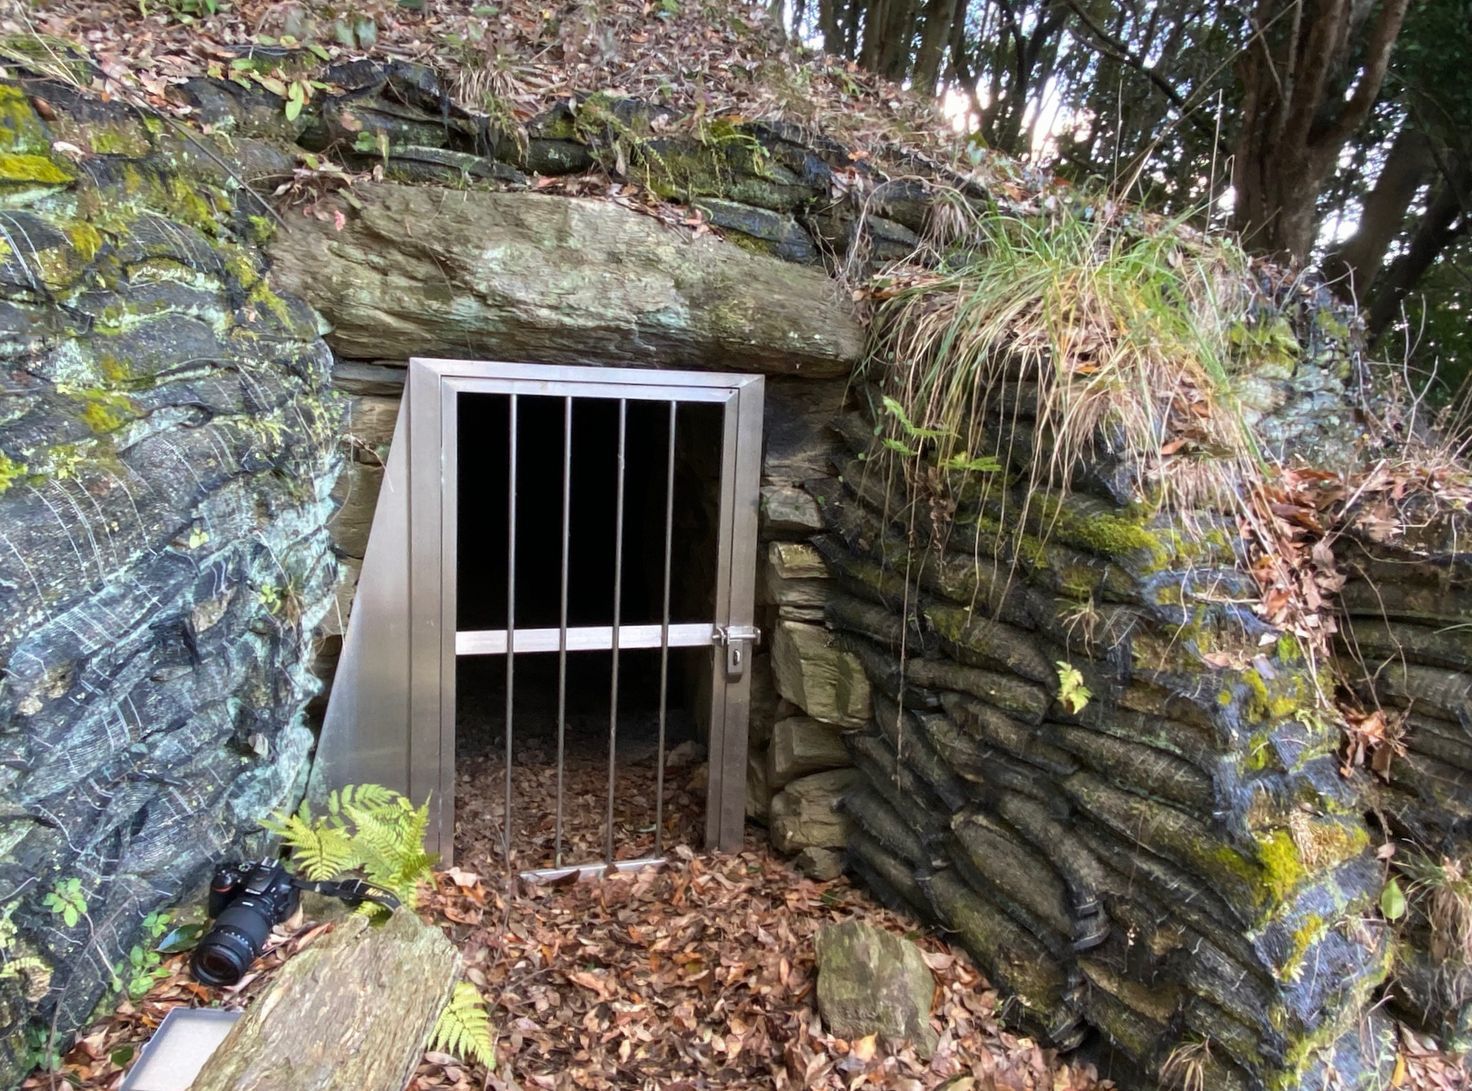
x,y
167,447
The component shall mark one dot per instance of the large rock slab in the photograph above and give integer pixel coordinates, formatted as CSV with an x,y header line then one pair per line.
x,y
168,440
822,679
873,982
524,276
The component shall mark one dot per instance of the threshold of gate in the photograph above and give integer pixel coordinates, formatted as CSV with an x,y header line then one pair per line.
x,y
579,872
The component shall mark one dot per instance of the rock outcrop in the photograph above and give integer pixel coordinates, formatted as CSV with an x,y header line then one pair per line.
x,y
167,445
521,276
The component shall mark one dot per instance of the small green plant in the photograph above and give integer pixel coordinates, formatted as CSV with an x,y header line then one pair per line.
x,y
1072,693
914,436
1392,900
368,829
372,144
67,901
185,10
144,964
1441,887
464,1027
27,969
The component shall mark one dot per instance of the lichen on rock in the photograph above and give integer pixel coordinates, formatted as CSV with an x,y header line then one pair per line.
x,y
168,442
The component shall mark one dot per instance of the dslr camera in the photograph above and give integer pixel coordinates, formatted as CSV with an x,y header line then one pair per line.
x,y
246,901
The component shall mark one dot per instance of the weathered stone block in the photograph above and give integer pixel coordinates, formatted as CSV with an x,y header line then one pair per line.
x,y
370,427
805,814
789,510
758,790
796,561
356,493
819,677
795,429
773,232
821,865
801,745
873,982
764,701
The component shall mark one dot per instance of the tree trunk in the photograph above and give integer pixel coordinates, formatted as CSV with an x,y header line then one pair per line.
x,y
939,14
1298,109
830,23
875,14
1446,220
1352,265
898,35
350,1013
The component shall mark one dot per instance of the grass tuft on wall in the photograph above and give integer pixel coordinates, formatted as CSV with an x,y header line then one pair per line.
x,y
1128,337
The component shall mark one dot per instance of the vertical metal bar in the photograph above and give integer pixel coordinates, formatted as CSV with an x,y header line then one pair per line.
x,y
716,771
745,483
449,608
429,610
562,618
510,618
664,635
618,576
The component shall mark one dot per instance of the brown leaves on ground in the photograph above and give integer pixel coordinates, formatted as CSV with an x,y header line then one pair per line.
x,y
700,974
696,975
514,59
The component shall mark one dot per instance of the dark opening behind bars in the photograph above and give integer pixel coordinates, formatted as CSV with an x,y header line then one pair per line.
x,y
593,539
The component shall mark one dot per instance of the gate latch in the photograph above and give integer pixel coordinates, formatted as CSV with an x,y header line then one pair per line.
x,y
738,641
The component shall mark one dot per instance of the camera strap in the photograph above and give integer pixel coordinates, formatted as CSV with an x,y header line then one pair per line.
x,y
353,892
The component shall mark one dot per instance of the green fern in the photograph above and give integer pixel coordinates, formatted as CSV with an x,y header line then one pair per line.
x,y
369,830
464,1027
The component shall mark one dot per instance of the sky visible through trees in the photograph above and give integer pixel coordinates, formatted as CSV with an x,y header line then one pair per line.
x,y
1330,132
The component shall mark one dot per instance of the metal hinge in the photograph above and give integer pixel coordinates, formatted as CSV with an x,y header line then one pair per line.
x,y
738,641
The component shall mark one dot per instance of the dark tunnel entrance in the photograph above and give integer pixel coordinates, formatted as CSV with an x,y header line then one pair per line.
x,y
560,809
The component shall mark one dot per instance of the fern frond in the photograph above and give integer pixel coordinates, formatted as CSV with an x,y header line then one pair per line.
x,y
464,1027
367,828
322,852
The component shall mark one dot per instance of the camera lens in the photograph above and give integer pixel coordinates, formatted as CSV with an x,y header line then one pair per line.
x,y
240,933
222,957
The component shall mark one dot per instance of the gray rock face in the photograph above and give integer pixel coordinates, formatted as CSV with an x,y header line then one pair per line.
x,y
167,447
518,276
873,982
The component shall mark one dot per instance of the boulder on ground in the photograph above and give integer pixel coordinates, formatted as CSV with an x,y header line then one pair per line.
x,y
873,982
820,865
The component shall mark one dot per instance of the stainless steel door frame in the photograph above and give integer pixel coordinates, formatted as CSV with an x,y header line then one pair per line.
x,y
433,391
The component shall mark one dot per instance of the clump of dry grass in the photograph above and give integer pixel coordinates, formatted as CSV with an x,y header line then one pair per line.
x,y
1123,331
1442,887
1185,1068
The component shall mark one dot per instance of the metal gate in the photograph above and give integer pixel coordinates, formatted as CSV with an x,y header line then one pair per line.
x,y
391,714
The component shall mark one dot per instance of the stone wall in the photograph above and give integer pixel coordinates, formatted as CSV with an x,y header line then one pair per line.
x,y
1174,861
1403,640
167,447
